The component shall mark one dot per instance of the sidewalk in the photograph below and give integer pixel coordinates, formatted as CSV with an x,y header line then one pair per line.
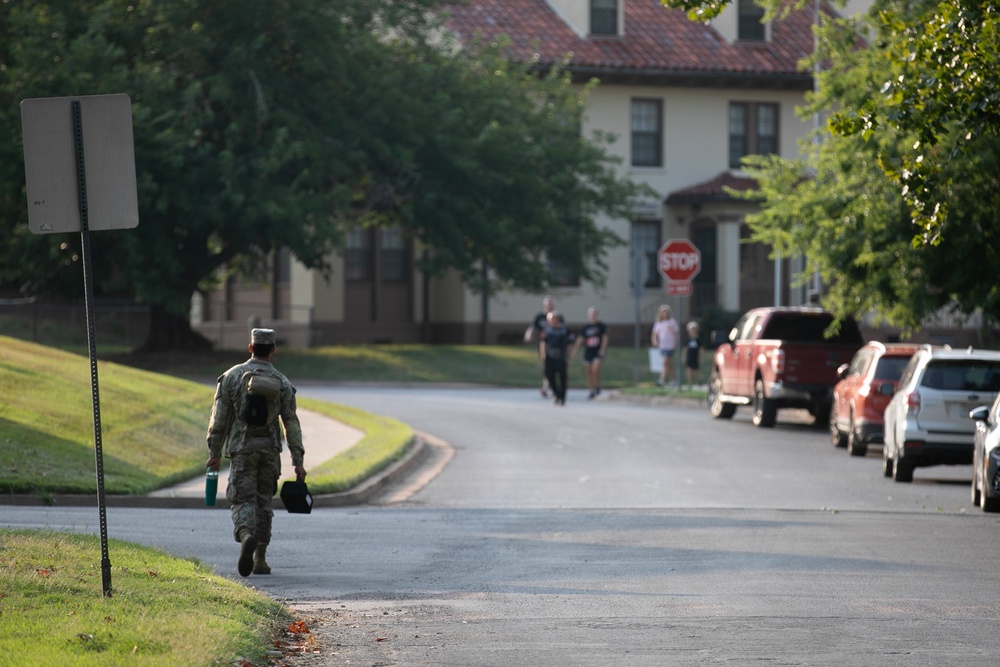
x,y
322,436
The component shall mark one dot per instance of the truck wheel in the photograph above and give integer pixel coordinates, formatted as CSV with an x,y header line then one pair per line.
x,y
716,407
836,437
764,409
854,445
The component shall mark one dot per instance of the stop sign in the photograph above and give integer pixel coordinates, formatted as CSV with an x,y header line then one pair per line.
x,y
678,260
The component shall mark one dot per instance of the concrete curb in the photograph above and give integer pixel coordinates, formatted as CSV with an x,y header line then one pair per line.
x,y
359,495
664,399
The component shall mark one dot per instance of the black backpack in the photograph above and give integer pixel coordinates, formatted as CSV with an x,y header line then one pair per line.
x,y
262,391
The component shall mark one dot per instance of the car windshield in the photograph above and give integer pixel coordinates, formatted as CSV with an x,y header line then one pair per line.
x,y
890,368
962,375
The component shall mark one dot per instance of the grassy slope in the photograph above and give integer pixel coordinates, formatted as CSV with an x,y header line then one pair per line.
x,y
153,428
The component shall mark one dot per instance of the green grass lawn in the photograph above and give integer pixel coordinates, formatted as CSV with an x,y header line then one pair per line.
x,y
53,612
153,426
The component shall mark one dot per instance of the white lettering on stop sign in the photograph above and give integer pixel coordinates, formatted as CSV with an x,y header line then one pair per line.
x,y
679,260
684,261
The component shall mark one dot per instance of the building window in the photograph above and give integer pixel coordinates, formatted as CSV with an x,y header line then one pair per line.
x,y
753,130
561,275
647,133
603,17
395,267
646,242
751,26
358,256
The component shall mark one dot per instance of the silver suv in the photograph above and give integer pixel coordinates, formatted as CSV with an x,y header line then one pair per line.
x,y
927,421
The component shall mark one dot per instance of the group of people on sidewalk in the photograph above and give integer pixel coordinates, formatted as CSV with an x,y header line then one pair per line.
x,y
664,337
557,345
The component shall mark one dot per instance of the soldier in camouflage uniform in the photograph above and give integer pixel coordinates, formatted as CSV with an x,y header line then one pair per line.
x,y
254,449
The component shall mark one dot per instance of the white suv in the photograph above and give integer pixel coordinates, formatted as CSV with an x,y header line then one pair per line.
x,y
927,421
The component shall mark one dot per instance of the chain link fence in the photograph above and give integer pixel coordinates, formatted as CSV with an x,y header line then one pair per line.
x,y
117,324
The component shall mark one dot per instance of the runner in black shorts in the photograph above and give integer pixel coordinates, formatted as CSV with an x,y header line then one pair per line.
x,y
594,338
537,328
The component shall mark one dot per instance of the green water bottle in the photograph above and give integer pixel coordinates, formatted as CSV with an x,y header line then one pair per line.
x,y
211,486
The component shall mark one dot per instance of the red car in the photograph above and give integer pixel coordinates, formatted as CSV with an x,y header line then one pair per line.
x,y
863,393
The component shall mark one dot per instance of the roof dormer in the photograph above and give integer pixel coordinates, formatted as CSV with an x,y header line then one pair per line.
x,y
742,22
592,18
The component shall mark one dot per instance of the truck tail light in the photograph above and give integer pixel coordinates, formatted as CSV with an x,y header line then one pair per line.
x,y
778,362
913,402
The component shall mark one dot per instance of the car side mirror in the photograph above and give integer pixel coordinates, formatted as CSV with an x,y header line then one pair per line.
x,y
886,389
717,338
842,371
980,414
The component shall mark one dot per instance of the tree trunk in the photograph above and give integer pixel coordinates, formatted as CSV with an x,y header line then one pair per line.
x,y
170,332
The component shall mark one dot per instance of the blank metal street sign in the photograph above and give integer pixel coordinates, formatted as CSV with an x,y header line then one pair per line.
x,y
50,163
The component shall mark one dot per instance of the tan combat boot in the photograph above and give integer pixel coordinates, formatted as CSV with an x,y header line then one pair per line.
x,y
247,545
260,565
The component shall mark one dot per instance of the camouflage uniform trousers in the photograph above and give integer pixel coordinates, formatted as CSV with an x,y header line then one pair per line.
x,y
253,479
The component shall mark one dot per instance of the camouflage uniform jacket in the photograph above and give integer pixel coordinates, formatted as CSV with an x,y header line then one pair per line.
x,y
227,427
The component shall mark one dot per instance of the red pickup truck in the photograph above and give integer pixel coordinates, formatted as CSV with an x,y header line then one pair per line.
x,y
779,358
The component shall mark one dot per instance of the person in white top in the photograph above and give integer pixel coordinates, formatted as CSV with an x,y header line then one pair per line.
x,y
664,337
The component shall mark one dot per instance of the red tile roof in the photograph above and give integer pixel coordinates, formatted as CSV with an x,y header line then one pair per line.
x,y
659,43
715,189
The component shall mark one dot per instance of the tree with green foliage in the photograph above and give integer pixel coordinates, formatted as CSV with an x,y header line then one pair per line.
x,y
844,208
289,122
938,82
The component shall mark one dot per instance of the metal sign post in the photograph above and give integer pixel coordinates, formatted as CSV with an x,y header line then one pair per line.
x,y
639,270
55,162
88,286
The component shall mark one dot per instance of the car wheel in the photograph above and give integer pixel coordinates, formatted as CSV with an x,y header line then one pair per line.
x,y
836,436
716,407
887,462
764,409
902,471
989,503
854,445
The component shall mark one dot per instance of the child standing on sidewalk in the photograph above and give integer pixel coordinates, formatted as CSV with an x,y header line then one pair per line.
x,y
693,353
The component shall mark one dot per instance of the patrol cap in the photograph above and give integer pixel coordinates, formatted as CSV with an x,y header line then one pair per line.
x,y
262,337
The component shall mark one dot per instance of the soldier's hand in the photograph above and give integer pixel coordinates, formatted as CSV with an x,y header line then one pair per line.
x,y
300,473
213,463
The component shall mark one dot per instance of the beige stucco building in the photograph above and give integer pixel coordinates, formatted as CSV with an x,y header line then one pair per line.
x,y
686,101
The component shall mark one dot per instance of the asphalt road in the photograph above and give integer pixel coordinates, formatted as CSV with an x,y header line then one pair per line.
x,y
605,533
